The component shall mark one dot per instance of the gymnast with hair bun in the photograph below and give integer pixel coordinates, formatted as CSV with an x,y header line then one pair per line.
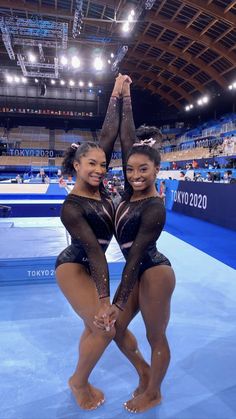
x,y
148,279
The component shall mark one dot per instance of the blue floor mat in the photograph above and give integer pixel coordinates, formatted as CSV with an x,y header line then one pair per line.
x,y
39,340
212,239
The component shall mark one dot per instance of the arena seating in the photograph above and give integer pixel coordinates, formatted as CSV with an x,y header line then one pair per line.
x,y
29,137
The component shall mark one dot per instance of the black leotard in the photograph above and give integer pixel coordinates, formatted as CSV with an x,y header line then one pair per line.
x,y
138,225
90,224
90,221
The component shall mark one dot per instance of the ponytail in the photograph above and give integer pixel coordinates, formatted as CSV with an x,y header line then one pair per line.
x,y
74,153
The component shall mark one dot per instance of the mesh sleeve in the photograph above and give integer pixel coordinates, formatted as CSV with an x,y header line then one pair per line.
x,y
73,218
110,127
151,225
127,132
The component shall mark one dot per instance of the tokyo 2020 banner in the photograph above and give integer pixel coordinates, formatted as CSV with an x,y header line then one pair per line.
x,y
213,202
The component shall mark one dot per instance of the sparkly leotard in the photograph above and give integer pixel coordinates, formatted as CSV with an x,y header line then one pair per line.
x,y
90,224
138,225
90,221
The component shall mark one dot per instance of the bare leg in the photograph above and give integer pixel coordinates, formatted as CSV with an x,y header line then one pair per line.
x,y
156,287
80,291
127,342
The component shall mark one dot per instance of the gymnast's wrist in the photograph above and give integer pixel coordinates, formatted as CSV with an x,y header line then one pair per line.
x,y
105,301
118,306
115,94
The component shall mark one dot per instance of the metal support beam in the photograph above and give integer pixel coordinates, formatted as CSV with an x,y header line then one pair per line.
x,y
186,56
22,64
41,65
194,35
122,51
41,53
162,80
6,37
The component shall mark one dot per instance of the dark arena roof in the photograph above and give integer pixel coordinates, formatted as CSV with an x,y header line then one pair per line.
x,y
178,50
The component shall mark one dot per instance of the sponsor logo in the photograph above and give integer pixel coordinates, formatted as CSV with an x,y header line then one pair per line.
x,y
191,199
41,273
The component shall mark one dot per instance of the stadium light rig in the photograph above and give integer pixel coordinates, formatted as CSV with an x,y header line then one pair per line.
x,y
75,62
129,23
189,107
232,86
119,57
98,63
200,102
63,60
203,101
78,18
149,4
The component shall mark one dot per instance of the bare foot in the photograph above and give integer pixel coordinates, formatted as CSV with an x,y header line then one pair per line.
x,y
87,397
97,393
143,402
143,383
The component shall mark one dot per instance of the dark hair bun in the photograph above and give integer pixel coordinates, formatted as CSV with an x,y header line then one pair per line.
x,y
144,132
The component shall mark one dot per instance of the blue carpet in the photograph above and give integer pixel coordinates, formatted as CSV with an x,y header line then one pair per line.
x,y
216,241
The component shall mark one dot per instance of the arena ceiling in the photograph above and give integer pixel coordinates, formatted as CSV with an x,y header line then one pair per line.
x,y
177,49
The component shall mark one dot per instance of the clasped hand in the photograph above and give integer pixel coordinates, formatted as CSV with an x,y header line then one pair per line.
x,y
106,317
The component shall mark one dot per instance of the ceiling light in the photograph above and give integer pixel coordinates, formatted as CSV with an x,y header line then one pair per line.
x,y
75,62
64,60
98,64
126,27
32,57
9,79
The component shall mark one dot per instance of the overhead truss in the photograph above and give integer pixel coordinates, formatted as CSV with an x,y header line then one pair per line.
x,y
178,49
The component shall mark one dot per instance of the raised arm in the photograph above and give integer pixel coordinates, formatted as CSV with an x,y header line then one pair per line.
x,y
111,123
151,225
72,216
127,127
